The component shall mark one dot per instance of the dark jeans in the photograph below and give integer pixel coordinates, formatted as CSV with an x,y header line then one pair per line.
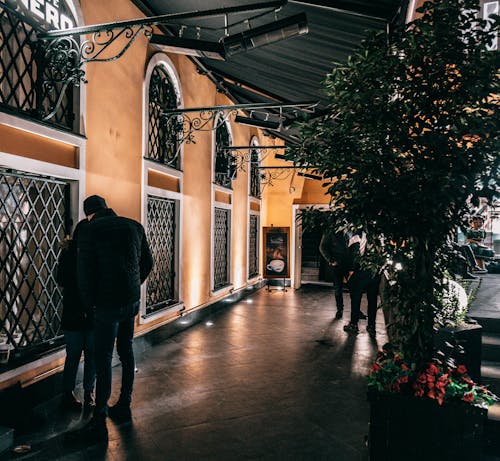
x,y
111,324
76,343
360,282
338,283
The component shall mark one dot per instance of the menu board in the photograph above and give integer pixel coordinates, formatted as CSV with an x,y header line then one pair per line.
x,y
276,252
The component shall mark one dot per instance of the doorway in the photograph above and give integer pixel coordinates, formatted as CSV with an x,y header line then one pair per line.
x,y
314,268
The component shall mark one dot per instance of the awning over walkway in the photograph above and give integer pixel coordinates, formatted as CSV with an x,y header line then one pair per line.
x,y
291,70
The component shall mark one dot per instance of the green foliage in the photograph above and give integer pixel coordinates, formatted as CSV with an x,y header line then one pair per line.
x,y
410,135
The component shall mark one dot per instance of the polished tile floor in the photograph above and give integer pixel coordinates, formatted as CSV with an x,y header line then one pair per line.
x,y
273,377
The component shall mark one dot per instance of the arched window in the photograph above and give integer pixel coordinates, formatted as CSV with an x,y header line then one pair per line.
x,y
225,165
163,132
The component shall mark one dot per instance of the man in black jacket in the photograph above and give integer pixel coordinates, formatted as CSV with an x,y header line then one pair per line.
x,y
333,248
359,281
114,259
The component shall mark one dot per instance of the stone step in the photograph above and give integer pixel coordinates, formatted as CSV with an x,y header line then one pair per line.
x,y
491,437
6,438
490,347
490,375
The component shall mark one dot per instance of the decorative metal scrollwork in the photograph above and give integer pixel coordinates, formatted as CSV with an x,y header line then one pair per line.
x,y
205,120
211,118
245,155
64,57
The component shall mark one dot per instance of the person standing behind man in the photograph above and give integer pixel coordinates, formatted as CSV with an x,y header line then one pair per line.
x,y
77,325
333,247
359,281
114,259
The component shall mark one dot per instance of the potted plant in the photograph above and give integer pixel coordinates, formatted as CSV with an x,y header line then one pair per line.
x,y
409,140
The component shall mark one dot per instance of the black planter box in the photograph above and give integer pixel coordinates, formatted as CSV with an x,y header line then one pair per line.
x,y
468,336
416,429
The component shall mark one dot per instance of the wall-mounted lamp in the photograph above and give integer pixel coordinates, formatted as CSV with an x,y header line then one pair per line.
x,y
266,124
237,43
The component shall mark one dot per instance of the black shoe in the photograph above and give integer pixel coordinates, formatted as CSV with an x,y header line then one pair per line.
x,y
371,330
339,314
469,276
351,328
95,431
70,403
120,413
362,316
88,400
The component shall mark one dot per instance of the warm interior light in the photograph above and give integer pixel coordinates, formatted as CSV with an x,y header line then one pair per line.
x,y
188,46
264,35
269,124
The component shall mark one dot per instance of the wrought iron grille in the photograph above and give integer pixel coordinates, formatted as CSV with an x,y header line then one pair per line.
x,y
23,72
163,132
33,220
254,173
160,286
222,239
253,246
225,162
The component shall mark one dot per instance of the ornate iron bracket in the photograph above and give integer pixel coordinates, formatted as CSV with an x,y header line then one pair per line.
x,y
270,174
210,118
64,54
243,154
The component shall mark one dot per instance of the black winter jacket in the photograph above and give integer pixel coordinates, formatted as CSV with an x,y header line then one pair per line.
x,y
114,259
74,316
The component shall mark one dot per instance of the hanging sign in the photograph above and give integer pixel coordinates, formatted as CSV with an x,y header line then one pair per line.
x,y
49,14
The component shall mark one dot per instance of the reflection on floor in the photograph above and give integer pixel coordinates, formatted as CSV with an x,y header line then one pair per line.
x,y
273,377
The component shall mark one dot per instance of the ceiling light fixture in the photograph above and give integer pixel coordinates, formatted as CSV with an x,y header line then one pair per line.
x,y
234,44
273,32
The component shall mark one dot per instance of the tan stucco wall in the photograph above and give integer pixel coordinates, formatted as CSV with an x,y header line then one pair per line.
x,y
114,150
25,144
114,116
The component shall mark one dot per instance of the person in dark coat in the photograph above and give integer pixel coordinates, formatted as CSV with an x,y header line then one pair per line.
x,y
360,281
114,260
333,248
77,326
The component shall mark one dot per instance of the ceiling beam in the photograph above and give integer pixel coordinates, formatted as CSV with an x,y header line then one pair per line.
x,y
371,11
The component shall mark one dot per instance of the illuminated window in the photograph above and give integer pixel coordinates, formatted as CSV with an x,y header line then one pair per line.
x,y
163,132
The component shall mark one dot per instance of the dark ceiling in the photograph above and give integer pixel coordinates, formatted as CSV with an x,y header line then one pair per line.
x,y
292,70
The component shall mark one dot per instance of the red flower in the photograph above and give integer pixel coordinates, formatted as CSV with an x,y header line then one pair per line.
x,y
461,369
421,378
404,367
468,397
376,367
433,369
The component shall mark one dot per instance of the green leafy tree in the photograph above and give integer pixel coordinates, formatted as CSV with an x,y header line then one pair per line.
x,y
410,137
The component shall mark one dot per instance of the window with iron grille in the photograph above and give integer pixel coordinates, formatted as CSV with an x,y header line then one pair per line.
x,y
225,164
34,213
161,290
163,133
254,173
221,250
22,74
253,246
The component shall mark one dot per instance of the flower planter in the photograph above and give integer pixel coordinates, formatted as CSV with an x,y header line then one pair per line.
x,y
410,428
470,338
